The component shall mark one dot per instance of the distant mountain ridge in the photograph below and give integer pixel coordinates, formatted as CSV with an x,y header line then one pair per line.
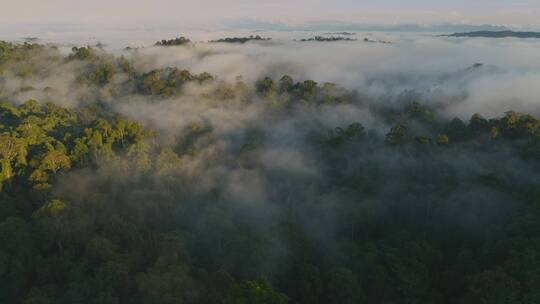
x,y
340,26
496,34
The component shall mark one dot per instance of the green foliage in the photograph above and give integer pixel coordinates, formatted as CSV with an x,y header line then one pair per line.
x,y
494,287
419,112
241,39
339,137
457,130
47,140
18,58
255,292
408,207
327,39
81,53
397,135
168,82
174,42
265,86
167,283
55,161
52,209
167,161
443,140
478,123
102,74
285,84
12,154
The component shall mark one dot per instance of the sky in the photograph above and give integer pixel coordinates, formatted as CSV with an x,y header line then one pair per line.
x,y
215,13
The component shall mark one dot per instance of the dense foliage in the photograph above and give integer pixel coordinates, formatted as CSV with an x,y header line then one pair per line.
x,y
241,39
496,34
96,207
174,42
327,39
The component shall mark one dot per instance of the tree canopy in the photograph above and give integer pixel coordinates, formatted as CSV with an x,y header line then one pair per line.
x,y
160,185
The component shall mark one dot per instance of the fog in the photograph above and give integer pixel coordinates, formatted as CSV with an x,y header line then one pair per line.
x,y
457,77
256,177
434,67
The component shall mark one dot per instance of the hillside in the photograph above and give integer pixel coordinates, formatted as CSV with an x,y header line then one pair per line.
x,y
496,34
126,183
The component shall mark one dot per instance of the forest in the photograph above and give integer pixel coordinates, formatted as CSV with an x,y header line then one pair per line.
x,y
122,182
327,39
240,39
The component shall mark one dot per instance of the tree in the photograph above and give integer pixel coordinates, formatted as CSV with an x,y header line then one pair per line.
x,y
167,282
55,160
31,130
40,178
52,215
511,120
478,123
419,112
304,283
167,161
102,74
255,292
79,153
30,107
9,114
120,130
397,135
443,140
174,42
17,258
309,89
11,149
265,86
494,132
204,77
355,130
95,143
457,130
42,295
343,287
153,84
423,140
286,84
81,53
493,287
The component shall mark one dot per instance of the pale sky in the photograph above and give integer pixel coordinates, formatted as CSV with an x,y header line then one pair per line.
x,y
214,12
